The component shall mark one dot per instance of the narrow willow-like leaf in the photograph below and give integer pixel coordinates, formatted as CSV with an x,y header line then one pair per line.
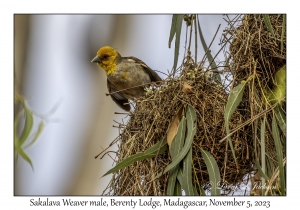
x,y
177,41
196,38
176,147
37,134
191,118
260,171
19,141
268,24
173,29
282,33
231,146
209,56
257,164
172,181
187,174
28,125
213,172
263,152
234,100
270,167
191,129
180,178
178,189
279,154
280,116
16,123
151,152
20,151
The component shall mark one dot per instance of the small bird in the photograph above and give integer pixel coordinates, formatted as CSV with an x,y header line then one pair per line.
x,y
124,74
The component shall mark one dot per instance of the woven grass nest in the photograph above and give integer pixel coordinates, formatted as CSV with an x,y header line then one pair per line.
x,y
251,46
254,50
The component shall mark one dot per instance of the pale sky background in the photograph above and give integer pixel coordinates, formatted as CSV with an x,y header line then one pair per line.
x,y
69,146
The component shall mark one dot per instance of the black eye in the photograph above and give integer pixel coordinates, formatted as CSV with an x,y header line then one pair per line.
x,y
105,56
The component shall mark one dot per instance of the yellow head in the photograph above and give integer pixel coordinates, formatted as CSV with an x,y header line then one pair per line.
x,y
106,59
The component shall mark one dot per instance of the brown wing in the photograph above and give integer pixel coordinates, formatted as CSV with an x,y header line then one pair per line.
x,y
118,98
153,75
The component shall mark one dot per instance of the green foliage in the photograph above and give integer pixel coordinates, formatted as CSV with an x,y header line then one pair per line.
x,y
209,56
260,170
176,29
263,150
191,129
282,33
268,24
280,116
213,171
234,100
176,147
24,137
279,153
181,152
158,148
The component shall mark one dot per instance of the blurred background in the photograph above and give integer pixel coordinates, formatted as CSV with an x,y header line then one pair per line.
x,y
54,73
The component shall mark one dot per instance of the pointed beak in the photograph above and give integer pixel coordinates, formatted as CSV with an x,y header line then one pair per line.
x,y
96,60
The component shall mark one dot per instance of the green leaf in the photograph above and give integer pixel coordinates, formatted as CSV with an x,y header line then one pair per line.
x,y
279,154
172,180
37,134
149,153
181,180
282,33
234,100
280,116
18,98
16,123
20,151
260,171
178,190
270,167
257,164
28,125
209,56
263,152
176,147
191,129
268,24
187,174
173,29
177,41
196,40
213,172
